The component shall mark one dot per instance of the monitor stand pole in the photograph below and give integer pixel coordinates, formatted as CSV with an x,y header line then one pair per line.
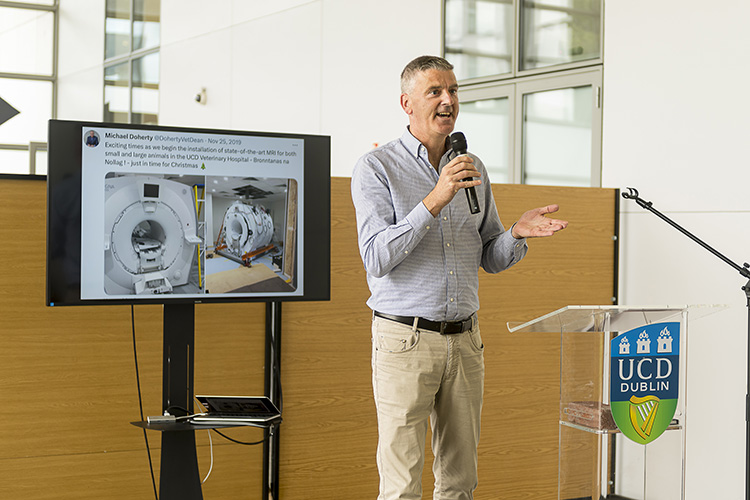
x,y
179,477
273,391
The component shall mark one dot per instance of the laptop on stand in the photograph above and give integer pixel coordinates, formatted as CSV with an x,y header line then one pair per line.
x,y
236,410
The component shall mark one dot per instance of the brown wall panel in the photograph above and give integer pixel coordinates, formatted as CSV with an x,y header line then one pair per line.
x,y
68,376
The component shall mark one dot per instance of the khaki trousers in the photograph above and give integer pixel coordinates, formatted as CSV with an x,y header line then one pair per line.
x,y
421,377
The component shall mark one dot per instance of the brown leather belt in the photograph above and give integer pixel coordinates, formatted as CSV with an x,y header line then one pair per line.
x,y
442,327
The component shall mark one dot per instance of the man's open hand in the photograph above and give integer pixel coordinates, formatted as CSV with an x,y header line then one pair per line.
x,y
534,224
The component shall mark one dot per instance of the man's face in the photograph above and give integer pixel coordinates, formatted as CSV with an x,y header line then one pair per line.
x,y
432,104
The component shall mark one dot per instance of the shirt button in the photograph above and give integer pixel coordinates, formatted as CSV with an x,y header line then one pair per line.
x,y
451,299
451,272
428,227
445,218
406,251
447,244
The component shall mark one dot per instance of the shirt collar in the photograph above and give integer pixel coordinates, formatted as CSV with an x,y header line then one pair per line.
x,y
411,143
415,147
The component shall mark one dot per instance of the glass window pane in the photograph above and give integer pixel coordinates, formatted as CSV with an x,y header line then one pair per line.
x,y
26,41
117,28
479,37
146,23
486,126
116,93
14,162
41,162
146,89
557,137
33,100
559,32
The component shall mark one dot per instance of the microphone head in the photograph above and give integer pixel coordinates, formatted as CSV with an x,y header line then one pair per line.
x,y
458,143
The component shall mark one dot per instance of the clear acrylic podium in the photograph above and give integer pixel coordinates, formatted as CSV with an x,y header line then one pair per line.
x,y
596,460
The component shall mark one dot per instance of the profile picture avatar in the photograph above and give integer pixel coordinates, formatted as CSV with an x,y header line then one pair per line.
x,y
92,139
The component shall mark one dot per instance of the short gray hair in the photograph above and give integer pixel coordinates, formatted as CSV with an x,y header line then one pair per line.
x,y
421,63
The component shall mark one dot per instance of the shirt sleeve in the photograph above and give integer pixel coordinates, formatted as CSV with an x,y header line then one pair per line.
x,y
384,242
500,250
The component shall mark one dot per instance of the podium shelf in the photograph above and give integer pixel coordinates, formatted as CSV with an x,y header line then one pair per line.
x,y
621,318
592,430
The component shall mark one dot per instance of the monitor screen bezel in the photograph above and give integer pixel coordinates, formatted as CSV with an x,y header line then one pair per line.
x,y
65,157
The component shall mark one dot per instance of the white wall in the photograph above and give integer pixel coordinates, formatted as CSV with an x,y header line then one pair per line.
x,y
676,128
323,67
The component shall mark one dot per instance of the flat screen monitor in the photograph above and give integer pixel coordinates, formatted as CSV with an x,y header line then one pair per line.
x,y
153,214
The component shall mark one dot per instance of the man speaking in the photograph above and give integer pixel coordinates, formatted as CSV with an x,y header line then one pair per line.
x,y
422,247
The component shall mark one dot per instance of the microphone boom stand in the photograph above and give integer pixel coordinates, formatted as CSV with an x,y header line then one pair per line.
x,y
744,270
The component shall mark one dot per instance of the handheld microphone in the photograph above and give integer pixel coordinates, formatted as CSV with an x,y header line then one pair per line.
x,y
458,143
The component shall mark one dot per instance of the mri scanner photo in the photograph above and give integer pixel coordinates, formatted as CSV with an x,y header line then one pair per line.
x,y
151,236
252,248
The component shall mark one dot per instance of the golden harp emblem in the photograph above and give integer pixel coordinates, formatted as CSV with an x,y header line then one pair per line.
x,y
643,413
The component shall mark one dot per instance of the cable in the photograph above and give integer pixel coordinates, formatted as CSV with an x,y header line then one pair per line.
x,y
238,442
170,408
140,400
211,448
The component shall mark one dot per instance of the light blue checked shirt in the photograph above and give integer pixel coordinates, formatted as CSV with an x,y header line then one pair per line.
x,y
417,264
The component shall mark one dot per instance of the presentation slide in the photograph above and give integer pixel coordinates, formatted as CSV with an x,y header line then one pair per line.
x,y
190,213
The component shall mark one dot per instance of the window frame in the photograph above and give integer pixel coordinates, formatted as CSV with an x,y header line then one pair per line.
x,y
515,91
556,67
578,78
518,83
128,58
515,61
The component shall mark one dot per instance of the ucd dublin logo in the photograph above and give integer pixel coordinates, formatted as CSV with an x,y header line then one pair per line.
x,y
644,378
